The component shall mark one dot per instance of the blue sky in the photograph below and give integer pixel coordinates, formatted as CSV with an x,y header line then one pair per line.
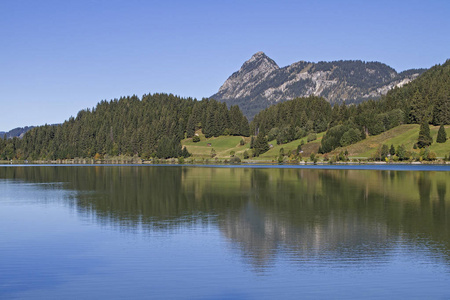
x,y
58,57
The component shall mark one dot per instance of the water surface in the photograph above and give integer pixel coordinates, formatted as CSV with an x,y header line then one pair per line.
x,y
90,232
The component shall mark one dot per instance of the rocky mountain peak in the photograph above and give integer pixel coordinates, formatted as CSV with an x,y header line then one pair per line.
x,y
258,67
260,82
259,62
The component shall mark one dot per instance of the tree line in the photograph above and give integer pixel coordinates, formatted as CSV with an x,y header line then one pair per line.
x,y
151,126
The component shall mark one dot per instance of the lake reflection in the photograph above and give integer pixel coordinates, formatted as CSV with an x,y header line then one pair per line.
x,y
227,232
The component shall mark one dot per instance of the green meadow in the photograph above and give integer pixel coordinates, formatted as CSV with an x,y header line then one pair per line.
x,y
403,134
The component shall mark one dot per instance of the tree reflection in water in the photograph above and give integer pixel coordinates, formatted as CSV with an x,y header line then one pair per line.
x,y
310,215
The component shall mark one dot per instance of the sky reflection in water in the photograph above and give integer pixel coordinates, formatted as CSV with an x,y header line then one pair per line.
x,y
205,232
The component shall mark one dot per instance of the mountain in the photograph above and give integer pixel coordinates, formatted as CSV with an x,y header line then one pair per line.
x,y
16,132
260,82
423,100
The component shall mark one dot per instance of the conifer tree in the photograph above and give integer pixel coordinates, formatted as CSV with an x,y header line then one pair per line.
x,y
261,146
442,135
209,129
252,142
416,112
220,117
235,120
401,152
392,150
190,127
384,152
185,153
244,128
425,138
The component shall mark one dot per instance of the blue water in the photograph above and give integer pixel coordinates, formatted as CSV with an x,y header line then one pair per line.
x,y
149,232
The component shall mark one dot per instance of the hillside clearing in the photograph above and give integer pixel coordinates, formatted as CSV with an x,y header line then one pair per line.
x,y
403,134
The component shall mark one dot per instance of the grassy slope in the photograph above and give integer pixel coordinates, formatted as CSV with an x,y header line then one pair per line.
x,y
403,134
223,145
307,148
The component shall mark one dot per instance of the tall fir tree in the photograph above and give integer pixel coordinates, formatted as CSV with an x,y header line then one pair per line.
x,y
416,111
392,150
190,127
244,128
209,129
442,135
425,138
235,120
261,146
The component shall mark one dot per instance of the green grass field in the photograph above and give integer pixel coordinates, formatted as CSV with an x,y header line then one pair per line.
x,y
403,134
307,148
223,145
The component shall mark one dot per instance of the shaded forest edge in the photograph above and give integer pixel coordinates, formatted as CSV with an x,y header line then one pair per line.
x,y
154,128
148,127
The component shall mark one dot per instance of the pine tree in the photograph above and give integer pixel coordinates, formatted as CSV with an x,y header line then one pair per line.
x,y
235,120
343,112
209,129
261,145
392,150
384,151
334,115
416,113
244,128
220,117
442,135
401,152
190,127
425,138
252,142
185,153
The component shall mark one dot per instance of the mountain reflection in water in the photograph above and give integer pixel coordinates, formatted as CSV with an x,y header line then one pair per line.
x,y
309,215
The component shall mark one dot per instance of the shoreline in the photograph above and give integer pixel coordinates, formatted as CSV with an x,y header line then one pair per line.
x,y
202,161
219,162
382,166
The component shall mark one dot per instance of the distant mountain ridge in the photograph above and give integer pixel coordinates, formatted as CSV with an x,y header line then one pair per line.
x,y
260,82
16,132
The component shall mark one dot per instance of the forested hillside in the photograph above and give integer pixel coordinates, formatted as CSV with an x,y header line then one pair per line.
x,y
424,100
293,119
152,126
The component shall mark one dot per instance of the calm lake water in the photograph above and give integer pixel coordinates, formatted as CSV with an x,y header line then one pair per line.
x,y
152,232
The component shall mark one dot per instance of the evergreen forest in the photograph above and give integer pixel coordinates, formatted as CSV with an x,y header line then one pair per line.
x,y
151,126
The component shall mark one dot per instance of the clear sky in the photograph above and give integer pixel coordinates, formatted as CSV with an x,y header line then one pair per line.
x,y
58,57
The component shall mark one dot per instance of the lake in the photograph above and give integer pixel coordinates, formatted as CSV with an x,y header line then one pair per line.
x,y
190,232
